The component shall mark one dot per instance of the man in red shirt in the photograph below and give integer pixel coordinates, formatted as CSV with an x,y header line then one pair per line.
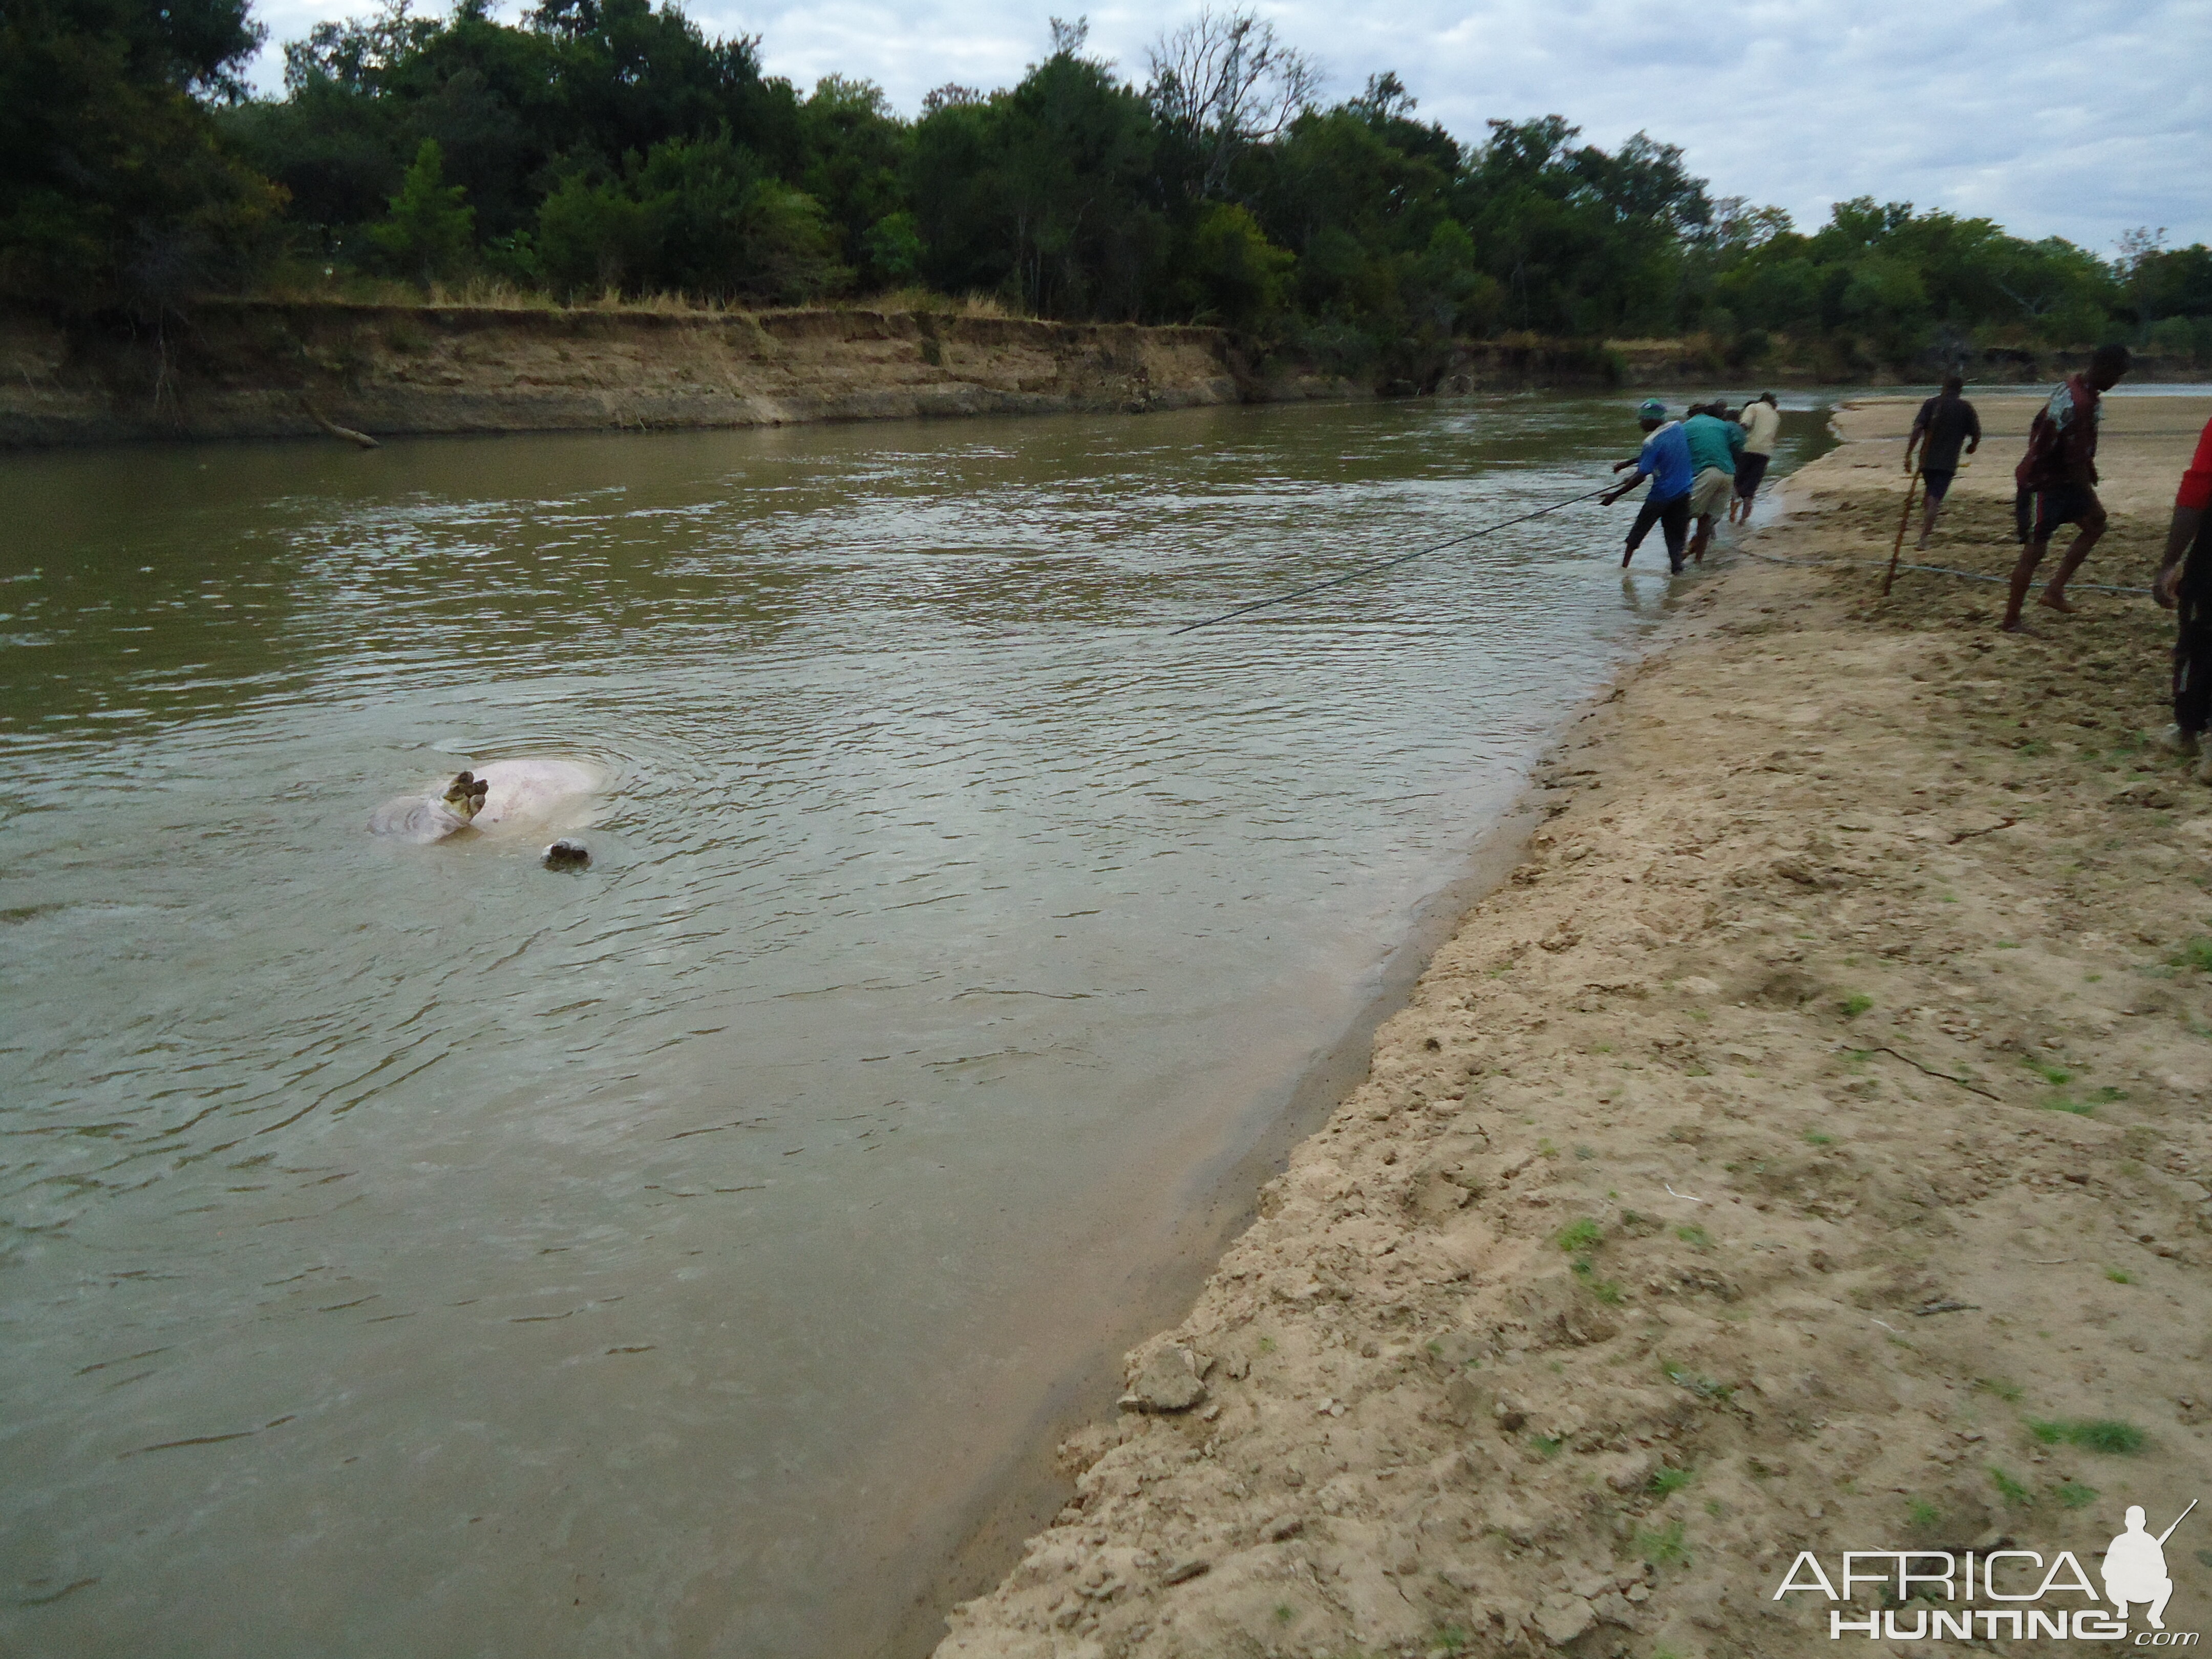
x,y
2184,587
2057,479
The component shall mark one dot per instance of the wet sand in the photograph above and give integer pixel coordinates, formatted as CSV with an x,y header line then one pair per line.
x,y
1805,1149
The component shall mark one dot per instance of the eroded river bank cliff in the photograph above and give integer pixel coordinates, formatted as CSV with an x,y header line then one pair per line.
x,y
232,369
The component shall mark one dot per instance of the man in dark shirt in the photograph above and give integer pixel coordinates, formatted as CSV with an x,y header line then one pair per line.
x,y
2057,479
1945,421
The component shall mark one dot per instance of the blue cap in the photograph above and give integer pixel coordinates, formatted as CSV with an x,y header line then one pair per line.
x,y
1651,410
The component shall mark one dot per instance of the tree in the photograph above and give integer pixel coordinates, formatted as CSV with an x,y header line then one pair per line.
x,y
1221,83
854,151
113,187
429,233
1047,193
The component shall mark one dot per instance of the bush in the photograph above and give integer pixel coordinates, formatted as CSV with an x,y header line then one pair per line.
x,y
696,216
893,246
1232,272
593,237
1748,348
2187,338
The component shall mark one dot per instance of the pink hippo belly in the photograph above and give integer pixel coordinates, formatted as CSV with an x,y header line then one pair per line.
x,y
535,792
534,795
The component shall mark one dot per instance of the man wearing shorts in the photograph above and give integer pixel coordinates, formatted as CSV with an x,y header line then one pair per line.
x,y
1714,443
2184,587
1664,459
2057,480
1761,422
1945,421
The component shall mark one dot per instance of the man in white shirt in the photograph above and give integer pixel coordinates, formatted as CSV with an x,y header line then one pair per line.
x,y
1761,422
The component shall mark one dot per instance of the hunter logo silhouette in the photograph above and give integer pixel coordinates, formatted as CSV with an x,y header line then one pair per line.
x,y
2135,1567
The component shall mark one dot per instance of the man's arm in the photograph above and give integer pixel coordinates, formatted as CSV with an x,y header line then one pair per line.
x,y
1973,430
2191,503
1618,491
2187,521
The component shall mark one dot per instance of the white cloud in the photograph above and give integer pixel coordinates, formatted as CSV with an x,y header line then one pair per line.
x,y
2079,120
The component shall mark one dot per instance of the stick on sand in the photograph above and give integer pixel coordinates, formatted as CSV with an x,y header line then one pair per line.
x,y
1904,519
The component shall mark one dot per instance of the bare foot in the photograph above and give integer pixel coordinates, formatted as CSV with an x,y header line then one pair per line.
x,y
2058,602
2014,625
1920,546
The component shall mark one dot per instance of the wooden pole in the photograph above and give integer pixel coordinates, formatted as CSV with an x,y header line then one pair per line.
x,y
1911,488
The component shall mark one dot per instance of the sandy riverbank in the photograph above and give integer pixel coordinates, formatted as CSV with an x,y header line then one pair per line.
x,y
1805,1150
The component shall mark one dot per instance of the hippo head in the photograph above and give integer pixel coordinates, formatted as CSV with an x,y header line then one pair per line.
x,y
465,795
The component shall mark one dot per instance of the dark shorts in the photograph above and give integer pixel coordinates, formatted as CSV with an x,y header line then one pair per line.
x,y
2192,644
1672,518
2038,513
1938,480
1749,469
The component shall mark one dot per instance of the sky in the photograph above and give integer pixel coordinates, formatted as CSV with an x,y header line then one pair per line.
x,y
2081,119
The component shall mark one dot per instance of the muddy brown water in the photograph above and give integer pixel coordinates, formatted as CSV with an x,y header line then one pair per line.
x,y
410,1251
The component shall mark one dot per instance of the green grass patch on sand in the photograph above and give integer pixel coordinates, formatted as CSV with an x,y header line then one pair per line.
x,y
2097,1434
1580,1236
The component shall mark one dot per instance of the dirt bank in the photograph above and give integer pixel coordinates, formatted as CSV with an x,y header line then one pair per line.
x,y
1805,1150
272,370
266,370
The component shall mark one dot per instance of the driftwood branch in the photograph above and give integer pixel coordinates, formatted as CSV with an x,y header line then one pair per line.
x,y
337,431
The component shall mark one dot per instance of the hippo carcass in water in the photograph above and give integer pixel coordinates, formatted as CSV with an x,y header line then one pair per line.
x,y
530,793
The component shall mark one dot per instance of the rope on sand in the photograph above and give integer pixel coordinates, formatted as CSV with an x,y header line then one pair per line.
x,y
1932,569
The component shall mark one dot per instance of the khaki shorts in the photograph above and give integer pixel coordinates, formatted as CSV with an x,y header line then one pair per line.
x,y
1709,496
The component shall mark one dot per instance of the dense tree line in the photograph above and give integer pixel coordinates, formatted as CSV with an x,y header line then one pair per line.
x,y
611,145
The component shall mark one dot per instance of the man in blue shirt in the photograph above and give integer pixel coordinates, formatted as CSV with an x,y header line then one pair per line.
x,y
1664,459
1714,445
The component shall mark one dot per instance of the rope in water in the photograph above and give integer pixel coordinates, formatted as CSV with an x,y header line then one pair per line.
x,y
1378,565
1371,569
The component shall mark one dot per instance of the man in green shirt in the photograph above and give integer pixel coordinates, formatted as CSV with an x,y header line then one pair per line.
x,y
1714,445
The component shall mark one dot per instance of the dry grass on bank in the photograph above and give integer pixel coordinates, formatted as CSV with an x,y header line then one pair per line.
x,y
496,294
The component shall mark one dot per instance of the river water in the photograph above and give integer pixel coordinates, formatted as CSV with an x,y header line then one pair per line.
x,y
411,1251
